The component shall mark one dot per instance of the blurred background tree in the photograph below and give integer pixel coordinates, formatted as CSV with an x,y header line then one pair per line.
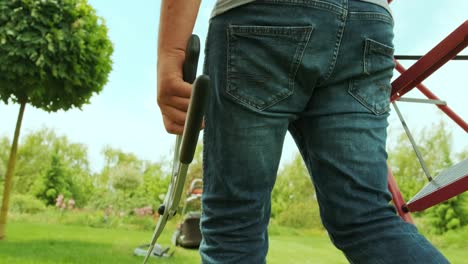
x,y
55,182
293,199
54,55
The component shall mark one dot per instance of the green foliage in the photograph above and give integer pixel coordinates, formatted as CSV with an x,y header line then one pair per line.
x,y
463,155
153,187
26,204
149,193
301,215
140,223
453,239
56,181
115,158
449,215
84,218
53,54
34,161
127,182
4,151
436,148
293,198
125,178
196,167
155,183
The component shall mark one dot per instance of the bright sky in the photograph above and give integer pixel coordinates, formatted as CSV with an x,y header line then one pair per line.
x,y
125,114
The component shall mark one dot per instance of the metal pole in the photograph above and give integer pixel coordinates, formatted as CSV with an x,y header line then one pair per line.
x,y
413,143
423,101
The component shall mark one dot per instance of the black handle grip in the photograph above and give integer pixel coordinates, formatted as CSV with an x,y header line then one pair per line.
x,y
191,59
197,103
194,119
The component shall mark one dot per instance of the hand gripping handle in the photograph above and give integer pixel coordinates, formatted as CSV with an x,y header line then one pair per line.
x,y
188,140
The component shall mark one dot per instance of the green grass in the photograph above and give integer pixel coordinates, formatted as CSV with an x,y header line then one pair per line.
x,y
45,243
315,249
453,244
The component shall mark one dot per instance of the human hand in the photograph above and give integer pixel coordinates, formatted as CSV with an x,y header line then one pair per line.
x,y
173,93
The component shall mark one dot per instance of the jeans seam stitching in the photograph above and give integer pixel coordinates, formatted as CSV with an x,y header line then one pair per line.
x,y
298,58
268,30
370,16
365,63
310,3
336,50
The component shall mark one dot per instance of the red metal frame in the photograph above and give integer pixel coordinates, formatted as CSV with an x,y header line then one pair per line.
x,y
457,119
398,200
408,80
432,61
441,195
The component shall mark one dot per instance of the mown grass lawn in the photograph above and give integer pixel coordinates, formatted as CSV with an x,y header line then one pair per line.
x,y
44,243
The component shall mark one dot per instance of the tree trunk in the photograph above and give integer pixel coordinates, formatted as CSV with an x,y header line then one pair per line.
x,y
9,174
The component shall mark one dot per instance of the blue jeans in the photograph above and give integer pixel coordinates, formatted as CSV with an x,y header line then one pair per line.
x,y
320,69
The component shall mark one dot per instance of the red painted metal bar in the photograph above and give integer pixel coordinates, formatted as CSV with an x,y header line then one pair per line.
x,y
447,110
441,195
398,200
429,63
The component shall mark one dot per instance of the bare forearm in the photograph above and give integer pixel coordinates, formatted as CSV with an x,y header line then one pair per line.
x,y
175,27
176,24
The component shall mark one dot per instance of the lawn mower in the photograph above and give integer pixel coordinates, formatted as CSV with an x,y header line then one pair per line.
x,y
188,234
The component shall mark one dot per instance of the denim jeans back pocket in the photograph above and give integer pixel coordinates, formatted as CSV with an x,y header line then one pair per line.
x,y
263,61
372,89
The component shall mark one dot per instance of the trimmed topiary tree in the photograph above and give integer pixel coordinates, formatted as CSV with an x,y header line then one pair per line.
x,y
54,55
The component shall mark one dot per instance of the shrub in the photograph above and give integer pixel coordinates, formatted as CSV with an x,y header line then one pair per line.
x,y
301,215
449,215
26,204
140,223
